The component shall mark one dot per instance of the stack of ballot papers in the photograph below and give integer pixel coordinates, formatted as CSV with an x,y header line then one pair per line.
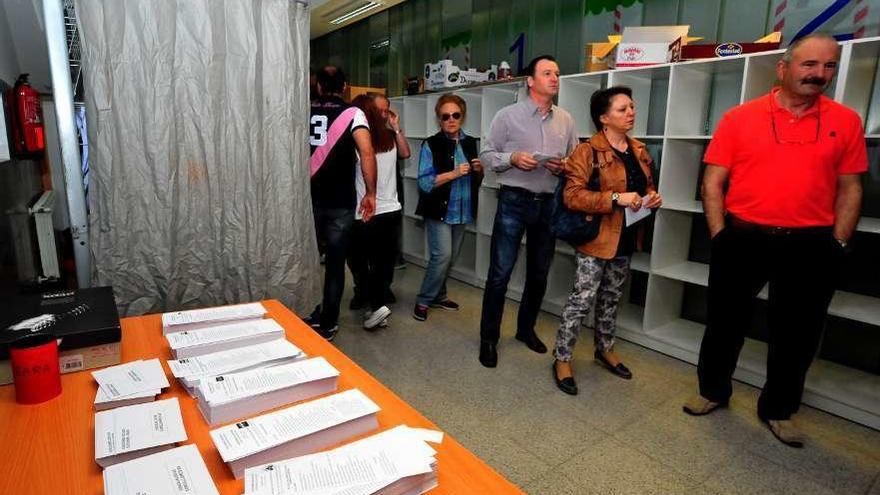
x,y
172,472
396,461
179,321
130,383
224,398
130,432
191,343
190,371
295,431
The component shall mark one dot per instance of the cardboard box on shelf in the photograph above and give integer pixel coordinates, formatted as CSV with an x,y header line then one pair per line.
x,y
651,45
600,56
712,50
444,74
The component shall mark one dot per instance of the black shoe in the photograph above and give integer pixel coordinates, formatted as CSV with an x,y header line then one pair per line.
x,y
567,385
420,312
329,333
488,354
357,302
619,370
532,342
314,319
448,305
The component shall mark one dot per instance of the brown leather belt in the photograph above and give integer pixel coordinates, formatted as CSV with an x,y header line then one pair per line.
x,y
740,224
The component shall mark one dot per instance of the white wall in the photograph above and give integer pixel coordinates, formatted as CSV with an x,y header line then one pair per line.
x,y
27,32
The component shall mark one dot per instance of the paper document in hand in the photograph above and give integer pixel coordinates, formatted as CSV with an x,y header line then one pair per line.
x,y
131,378
365,466
137,430
176,471
634,216
200,318
297,430
542,158
231,396
190,343
233,359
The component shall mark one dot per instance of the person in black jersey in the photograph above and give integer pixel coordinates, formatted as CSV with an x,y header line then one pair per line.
x,y
339,134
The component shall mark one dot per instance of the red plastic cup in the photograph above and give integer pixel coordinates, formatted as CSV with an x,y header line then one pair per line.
x,y
35,369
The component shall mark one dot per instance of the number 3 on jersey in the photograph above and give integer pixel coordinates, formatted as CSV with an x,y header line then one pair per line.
x,y
318,136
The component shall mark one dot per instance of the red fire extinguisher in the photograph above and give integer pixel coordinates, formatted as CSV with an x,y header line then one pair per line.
x,y
28,128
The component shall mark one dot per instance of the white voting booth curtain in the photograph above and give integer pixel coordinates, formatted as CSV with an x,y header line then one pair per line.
x,y
197,125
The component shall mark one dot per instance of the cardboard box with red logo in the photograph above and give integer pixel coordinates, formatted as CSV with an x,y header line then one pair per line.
x,y
651,45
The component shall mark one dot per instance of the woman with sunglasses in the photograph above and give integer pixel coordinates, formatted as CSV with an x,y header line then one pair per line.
x,y
450,173
625,182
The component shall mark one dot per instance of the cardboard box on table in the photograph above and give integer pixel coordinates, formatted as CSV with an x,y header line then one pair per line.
x,y
85,321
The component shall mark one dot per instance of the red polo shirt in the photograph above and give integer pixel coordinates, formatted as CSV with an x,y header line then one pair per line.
x,y
787,176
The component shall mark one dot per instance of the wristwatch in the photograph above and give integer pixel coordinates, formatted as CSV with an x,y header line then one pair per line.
x,y
614,197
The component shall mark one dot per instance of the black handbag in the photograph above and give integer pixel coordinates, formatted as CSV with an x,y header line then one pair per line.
x,y
575,227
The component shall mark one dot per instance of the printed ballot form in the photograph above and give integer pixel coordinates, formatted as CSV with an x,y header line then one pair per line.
x,y
129,379
260,433
233,359
137,429
247,384
178,471
189,343
197,318
363,467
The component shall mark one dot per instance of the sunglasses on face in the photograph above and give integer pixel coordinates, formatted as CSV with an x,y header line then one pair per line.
x,y
447,116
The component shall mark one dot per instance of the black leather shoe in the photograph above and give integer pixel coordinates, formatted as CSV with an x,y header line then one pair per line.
x,y
532,342
619,370
488,355
567,385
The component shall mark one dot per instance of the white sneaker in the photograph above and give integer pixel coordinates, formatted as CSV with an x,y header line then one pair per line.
x,y
376,317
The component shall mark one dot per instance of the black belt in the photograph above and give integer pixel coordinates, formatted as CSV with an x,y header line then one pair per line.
x,y
740,224
525,192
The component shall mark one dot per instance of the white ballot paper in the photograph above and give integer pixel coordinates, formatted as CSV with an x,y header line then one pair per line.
x,y
228,397
178,471
237,359
262,432
189,343
542,158
634,216
137,430
131,378
362,467
104,402
200,318
298,430
236,386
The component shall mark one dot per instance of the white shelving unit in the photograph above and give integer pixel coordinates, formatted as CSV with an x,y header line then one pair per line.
x,y
678,108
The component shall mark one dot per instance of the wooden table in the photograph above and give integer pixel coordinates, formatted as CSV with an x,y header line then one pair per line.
x,y
48,448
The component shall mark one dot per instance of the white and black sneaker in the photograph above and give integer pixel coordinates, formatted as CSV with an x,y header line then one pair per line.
x,y
314,319
329,334
372,320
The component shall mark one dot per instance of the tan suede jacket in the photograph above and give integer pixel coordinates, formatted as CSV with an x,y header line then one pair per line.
x,y
612,178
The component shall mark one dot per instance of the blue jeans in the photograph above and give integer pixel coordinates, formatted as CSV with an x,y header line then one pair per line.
x,y
518,212
444,243
333,226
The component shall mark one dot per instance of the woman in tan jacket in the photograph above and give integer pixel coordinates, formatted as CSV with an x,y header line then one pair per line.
x,y
625,181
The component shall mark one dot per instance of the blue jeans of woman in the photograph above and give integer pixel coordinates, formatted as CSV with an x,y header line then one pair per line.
x,y
444,243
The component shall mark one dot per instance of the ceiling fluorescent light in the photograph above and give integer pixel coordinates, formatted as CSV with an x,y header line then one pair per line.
x,y
356,12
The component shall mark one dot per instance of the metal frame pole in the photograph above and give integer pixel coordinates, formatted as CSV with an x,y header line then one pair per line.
x,y
62,90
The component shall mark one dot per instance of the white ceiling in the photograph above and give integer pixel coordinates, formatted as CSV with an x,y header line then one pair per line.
x,y
323,11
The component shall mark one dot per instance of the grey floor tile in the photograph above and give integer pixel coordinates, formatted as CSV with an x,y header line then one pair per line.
x,y
616,436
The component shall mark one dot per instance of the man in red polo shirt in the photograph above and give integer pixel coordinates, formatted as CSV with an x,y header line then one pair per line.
x,y
791,162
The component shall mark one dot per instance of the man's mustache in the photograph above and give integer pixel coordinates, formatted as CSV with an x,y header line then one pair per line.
x,y
819,81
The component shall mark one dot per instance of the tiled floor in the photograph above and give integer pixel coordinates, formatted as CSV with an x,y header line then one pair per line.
x,y
616,436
